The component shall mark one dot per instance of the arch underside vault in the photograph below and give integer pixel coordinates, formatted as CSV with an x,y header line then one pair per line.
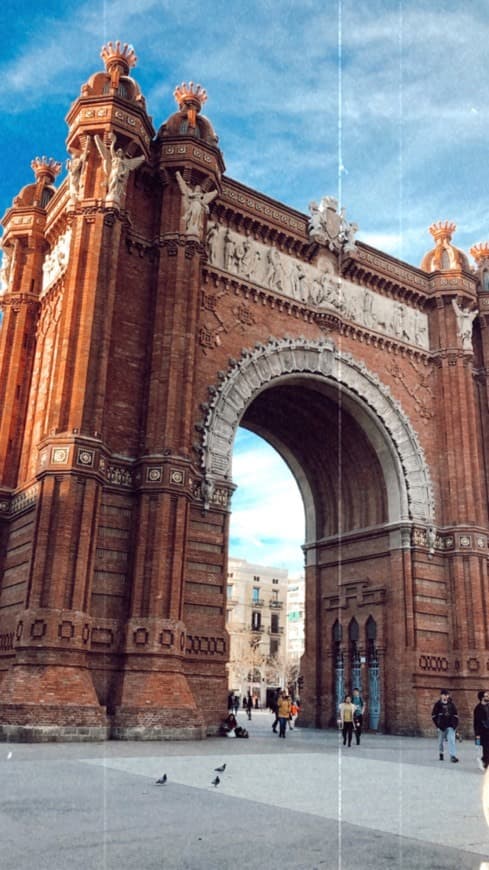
x,y
337,426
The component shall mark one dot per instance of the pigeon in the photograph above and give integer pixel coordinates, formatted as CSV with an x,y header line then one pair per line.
x,y
216,781
220,769
161,780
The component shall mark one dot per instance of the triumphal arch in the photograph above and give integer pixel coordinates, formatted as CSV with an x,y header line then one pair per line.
x,y
151,305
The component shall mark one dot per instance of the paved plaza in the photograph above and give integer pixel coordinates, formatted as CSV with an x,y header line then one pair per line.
x,y
304,802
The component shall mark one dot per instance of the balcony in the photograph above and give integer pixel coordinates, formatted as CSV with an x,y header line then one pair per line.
x,y
275,631
257,602
275,605
254,630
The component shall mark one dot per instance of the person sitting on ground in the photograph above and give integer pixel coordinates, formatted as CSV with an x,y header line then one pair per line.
x,y
229,724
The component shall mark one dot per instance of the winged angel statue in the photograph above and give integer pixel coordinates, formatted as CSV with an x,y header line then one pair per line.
x,y
195,205
116,168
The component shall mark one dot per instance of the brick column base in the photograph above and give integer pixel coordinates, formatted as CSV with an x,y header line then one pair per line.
x,y
48,702
156,706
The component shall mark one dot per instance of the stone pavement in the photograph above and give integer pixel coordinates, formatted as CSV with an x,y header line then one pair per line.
x,y
304,802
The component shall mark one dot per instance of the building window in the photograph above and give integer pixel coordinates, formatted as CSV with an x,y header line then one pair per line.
x,y
256,621
274,594
274,626
274,580
274,645
256,593
256,579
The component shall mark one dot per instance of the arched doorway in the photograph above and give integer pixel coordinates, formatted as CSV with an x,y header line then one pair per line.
x,y
363,480
265,572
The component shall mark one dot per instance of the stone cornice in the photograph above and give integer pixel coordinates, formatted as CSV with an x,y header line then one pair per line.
x,y
261,217
385,274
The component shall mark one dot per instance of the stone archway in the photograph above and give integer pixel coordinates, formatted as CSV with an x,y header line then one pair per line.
x,y
408,480
349,563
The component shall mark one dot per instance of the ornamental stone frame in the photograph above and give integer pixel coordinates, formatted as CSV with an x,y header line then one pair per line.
x,y
410,492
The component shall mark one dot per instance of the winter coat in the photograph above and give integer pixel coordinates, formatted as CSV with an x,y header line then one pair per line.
x,y
481,721
283,708
445,715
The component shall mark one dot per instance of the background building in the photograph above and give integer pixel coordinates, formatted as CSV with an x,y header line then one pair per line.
x,y
296,593
257,625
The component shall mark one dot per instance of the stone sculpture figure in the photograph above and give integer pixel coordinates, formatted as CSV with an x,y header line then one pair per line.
x,y
316,294
465,320
349,230
117,168
314,223
300,289
5,269
207,492
420,329
275,274
249,259
56,261
212,242
368,315
75,166
228,249
431,539
195,205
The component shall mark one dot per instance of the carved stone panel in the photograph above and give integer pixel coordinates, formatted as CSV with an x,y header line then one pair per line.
x,y
318,286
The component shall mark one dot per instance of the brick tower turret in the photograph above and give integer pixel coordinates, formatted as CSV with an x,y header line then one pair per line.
x,y
101,292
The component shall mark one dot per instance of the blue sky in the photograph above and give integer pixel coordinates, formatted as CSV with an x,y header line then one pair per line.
x,y
383,103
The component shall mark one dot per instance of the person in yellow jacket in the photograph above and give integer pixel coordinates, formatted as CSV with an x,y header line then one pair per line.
x,y
346,713
283,705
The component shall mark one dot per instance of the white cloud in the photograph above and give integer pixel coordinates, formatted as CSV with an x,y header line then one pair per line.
x,y
267,519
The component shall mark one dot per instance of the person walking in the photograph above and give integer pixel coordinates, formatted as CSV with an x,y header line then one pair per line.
x,y
445,718
283,710
359,705
274,709
249,705
346,712
294,710
481,728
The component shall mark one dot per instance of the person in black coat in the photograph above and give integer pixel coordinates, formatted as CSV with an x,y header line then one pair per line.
x,y
445,718
249,705
481,727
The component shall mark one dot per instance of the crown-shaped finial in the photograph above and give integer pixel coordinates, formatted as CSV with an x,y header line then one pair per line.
x,y
442,230
46,167
118,55
480,252
190,93
190,97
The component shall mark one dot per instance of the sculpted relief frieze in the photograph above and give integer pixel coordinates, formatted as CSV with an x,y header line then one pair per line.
x,y
318,286
56,261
